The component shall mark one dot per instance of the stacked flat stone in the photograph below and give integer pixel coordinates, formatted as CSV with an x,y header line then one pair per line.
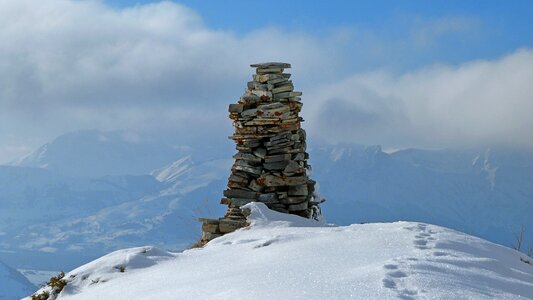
x,y
271,161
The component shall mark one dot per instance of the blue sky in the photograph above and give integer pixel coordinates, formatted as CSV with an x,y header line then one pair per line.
x,y
427,74
497,27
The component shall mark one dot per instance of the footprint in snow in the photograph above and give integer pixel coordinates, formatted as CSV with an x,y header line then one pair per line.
x,y
389,283
397,274
421,242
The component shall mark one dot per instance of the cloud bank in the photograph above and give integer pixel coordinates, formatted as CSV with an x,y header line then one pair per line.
x,y
67,65
476,103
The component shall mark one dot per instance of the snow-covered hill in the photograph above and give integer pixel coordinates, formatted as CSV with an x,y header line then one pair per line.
x,y
286,257
13,285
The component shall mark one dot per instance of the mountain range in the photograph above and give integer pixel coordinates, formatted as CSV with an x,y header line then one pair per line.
x,y
90,192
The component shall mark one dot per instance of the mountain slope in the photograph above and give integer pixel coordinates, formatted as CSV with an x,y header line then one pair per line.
x,y
13,285
487,193
93,153
286,257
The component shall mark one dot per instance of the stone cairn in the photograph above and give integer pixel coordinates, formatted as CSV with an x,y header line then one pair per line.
x,y
271,162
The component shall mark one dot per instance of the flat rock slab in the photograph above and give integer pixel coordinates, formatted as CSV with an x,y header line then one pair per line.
x,y
271,180
271,65
227,226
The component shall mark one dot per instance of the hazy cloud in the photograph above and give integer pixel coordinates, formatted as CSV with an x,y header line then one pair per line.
x,y
476,103
426,33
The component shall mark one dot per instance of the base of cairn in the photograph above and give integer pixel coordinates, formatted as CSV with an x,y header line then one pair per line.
x,y
234,219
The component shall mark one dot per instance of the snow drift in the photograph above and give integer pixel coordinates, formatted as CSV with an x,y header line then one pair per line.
x,y
286,257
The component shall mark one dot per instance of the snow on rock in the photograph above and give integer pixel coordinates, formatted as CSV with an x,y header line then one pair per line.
x,y
280,257
13,285
261,216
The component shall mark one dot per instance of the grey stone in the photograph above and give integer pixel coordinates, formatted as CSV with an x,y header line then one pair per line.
x,y
279,151
299,157
266,78
251,143
280,146
260,152
262,94
247,156
250,170
271,64
254,186
279,83
278,157
298,190
250,98
293,168
277,142
283,135
235,108
282,195
260,86
210,236
244,163
282,89
271,180
298,207
244,149
293,200
211,228
287,95
269,71
278,165
263,121
238,202
227,226
237,193
249,113
268,198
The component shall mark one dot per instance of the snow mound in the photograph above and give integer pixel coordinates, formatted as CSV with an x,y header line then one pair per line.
x,y
262,216
287,257
110,266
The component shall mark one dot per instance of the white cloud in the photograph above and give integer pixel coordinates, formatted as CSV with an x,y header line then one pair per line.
x,y
67,65
476,103
426,32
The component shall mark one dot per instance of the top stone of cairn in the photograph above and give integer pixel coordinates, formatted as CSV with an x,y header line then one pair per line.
x,y
268,65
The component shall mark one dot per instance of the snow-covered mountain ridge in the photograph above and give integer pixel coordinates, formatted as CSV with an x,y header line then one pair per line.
x,y
287,257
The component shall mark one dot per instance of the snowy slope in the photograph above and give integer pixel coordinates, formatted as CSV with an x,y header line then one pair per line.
x,y
13,285
287,257
93,153
487,193
36,204
165,214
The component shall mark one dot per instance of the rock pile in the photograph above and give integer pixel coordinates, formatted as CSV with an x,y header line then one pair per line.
x,y
271,162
